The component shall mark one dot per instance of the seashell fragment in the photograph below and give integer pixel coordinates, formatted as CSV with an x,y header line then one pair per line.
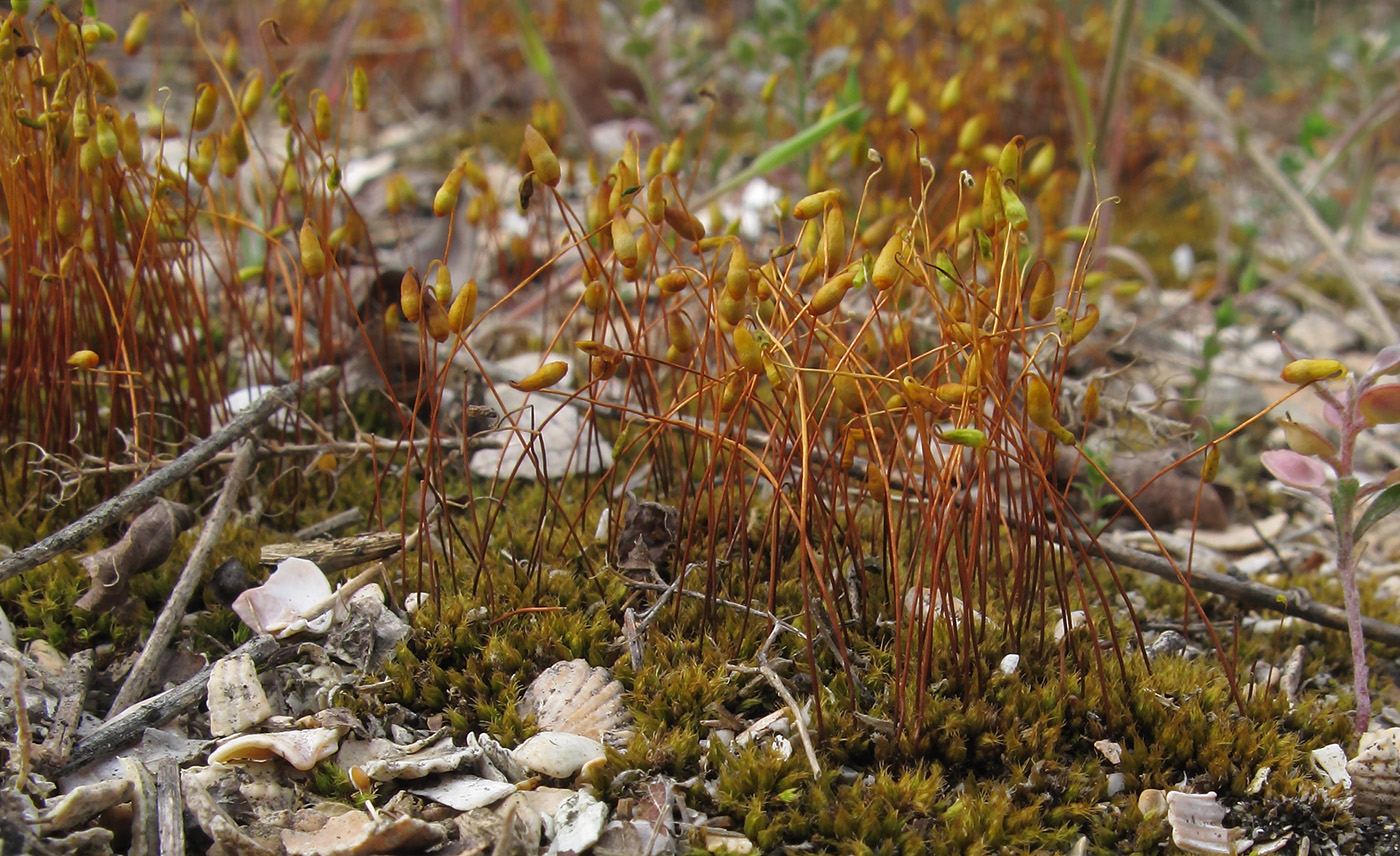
x,y
355,833
1330,762
236,698
1112,752
84,803
558,754
465,793
577,823
302,749
385,761
1009,664
577,698
280,605
1152,802
1197,824
1375,774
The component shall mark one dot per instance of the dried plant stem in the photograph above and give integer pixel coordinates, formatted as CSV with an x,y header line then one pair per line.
x,y
174,611
798,719
152,486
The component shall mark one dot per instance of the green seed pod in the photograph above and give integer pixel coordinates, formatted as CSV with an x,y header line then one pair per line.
x,y
747,349
102,80
202,164
251,98
833,246
971,133
463,310
887,271
411,296
136,32
544,377
732,310
66,218
624,242
686,225
442,284
90,32
831,293
675,156
595,297
435,319
20,7
107,144
1041,164
82,121
970,437
206,104
313,258
951,96
656,201
737,278
359,89
542,158
238,143
1015,210
993,212
1042,291
445,200
130,141
321,115
678,330
1009,161
814,204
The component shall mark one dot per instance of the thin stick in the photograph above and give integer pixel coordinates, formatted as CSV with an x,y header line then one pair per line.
x,y
174,611
797,718
127,727
1246,592
152,486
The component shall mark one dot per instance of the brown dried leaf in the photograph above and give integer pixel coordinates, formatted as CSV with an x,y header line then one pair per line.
x,y
146,544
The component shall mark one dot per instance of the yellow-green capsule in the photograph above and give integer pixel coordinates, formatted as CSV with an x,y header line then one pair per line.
x,y
359,89
624,242
1307,371
321,115
411,296
445,200
313,257
463,310
747,349
544,377
542,158
814,204
251,98
136,31
84,359
107,144
206,105
831,293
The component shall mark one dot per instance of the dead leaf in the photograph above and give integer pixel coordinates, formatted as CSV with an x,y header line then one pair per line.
x,y
649,531
146,544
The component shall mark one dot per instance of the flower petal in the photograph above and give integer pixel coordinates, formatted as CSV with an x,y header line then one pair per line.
x,y
1293,469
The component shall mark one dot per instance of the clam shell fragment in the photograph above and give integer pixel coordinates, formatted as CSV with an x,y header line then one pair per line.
x,y
577,698
1375,774
1197,824
302,749
236,698
558,754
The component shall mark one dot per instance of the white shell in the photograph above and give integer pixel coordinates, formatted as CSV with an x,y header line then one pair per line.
x,y
355,833
1331,762
236,698
465,793
1112,752
577,698
558,754
302,749
385,761
1375,774
1197,824
279,606
577,823
1009,664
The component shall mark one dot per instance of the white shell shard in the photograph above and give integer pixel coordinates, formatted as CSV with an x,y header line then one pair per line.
x,y
236,698
84,803
279,606
465,793
1197,824
1009,664
385,761
577,823
1112,752
1375,774
558,754
1330,762
577,698
302,749
355,833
